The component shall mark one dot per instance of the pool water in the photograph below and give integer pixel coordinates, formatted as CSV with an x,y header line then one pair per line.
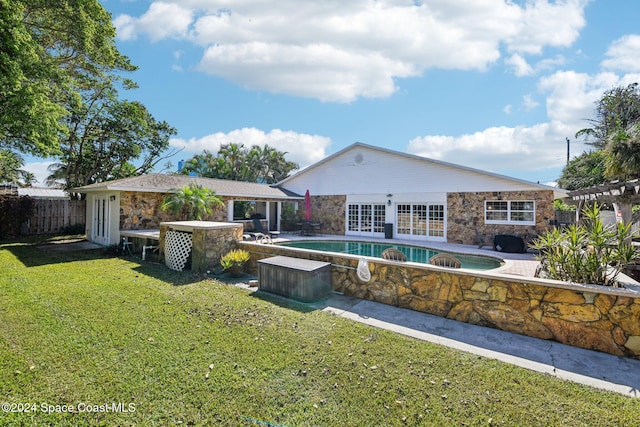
x,y
413,253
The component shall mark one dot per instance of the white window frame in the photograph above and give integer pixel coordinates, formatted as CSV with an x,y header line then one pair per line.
x,y
414,220
510,212
365,219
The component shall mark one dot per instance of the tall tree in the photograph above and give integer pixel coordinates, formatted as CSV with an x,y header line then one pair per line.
x,y
616,110
623,152
11,171
585,170
615,133
45,45
235,162
108,138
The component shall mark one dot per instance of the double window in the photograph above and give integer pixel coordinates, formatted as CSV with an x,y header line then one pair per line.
x,y
521,212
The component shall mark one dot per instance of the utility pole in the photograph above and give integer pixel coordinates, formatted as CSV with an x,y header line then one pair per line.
x,y
567,150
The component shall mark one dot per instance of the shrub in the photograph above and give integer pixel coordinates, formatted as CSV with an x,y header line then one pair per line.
x,y
14,211
587,253
233,261
74,229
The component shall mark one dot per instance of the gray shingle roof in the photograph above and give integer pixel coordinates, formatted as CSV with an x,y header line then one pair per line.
x,y
164,183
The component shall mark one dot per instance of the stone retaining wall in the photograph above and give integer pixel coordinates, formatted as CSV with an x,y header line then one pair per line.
x,y
591,317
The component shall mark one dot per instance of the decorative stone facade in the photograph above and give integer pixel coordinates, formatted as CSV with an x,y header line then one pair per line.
x,y
592,317
329,211
208,244
141,211
465,216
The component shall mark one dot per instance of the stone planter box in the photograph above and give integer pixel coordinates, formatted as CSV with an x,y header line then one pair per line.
x,y
210,240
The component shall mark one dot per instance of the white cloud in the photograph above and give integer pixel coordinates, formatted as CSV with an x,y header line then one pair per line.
x,y
529,103
162,20
570,102
39,169
303,149
624,54
340,51
521,68
519,65
544,23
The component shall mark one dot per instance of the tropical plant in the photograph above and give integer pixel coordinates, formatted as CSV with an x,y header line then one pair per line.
x,y
234,261
235,162
10,172
586,253
585,170
192,202
560,205
618,108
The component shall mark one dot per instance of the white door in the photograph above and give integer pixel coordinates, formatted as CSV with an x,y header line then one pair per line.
x,y
421,221
100,232
366,219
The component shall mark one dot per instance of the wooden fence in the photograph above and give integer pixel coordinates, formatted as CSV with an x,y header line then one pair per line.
x,y
54,215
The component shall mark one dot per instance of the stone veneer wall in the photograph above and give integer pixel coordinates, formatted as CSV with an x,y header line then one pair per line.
x,y
592,317
328,210
141,211
465,216
208,245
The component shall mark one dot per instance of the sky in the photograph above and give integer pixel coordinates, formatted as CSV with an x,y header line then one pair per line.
x,y
496,85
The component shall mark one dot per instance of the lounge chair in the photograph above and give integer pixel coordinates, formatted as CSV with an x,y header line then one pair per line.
x,y
445,260
393,254
260,233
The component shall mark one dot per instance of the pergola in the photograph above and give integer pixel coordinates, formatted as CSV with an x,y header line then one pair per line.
x,y
621,194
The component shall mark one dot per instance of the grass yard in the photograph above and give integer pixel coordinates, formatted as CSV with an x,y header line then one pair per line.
x,y
131,343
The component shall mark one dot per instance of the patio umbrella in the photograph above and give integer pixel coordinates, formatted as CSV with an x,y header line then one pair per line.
x,y
307,206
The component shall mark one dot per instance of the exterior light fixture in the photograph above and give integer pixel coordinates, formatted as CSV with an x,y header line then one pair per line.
x,y
389,196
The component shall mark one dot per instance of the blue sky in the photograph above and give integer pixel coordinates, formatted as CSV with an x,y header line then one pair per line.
x,y
490,84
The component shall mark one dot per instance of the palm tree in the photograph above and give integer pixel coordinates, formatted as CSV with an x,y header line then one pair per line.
x,y
193,202
11,172
623,149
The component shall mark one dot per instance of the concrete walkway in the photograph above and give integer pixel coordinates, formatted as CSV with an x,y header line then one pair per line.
x,y
596,369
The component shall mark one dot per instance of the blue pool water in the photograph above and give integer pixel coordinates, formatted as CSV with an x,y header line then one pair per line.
x,y
413,253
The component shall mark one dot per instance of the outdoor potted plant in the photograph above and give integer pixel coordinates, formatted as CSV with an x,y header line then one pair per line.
x,y
233,262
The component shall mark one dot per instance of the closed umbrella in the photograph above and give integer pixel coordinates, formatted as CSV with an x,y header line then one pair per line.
x,y
307,206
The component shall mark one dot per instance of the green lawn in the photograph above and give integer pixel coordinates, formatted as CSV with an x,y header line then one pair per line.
x,y
103,334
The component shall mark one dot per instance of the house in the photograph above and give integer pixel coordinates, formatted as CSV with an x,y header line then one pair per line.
x,y
135,203
361,190
369,191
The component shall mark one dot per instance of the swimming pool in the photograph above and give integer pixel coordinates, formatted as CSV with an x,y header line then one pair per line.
x,y
413,253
